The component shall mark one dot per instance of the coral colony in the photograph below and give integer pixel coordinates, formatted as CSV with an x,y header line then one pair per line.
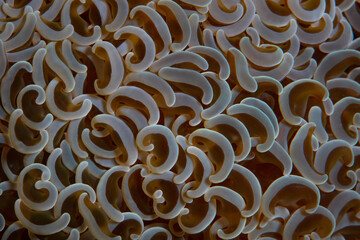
x,y
183,119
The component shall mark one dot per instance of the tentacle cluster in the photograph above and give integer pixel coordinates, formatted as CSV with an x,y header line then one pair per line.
x,y
202,119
